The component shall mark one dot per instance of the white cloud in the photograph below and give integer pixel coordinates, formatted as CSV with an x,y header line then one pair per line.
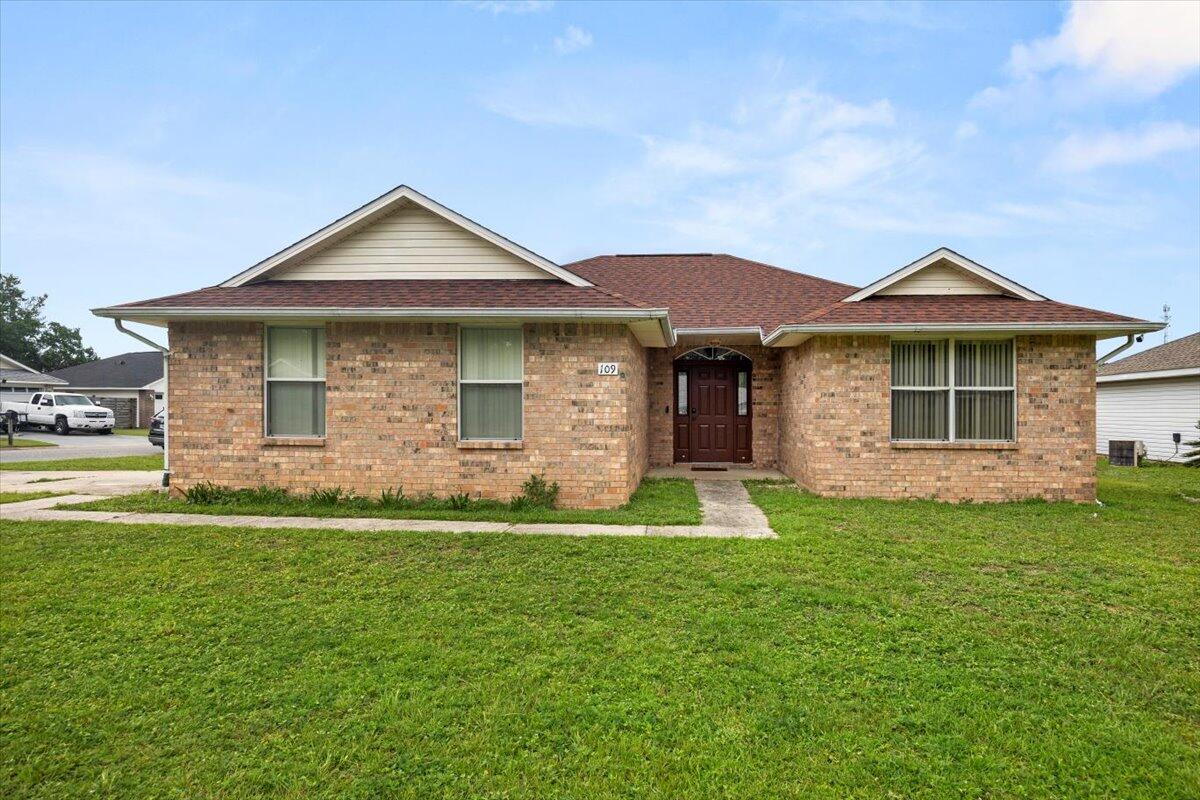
x,y
1146,46
687,157
511,6
1104,50
573,40
1080,153
808,110
779,158
966,130
781,167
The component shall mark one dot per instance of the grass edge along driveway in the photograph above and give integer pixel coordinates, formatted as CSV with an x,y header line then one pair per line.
x,y
101,464
21,443
876,649
20,497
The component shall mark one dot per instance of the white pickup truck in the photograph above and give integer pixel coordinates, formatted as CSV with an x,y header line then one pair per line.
x,y
61,411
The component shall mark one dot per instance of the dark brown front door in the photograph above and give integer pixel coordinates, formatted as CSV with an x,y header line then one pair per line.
x,y
710,428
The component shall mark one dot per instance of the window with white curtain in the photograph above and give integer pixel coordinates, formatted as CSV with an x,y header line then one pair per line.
x,y
295,402
953,390
490,383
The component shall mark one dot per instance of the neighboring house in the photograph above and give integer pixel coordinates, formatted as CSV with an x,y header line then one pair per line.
x,y
18,382
131,384
1151,396
405,345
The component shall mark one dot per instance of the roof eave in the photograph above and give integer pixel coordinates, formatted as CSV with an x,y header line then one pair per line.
x,y
161,315
779,337
1158,374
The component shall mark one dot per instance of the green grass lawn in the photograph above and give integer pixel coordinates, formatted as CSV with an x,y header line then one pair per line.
x,y
107,463
903,649
131,431
670,501
23,442
17,497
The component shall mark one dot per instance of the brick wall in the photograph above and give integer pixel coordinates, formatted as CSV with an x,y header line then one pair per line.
x,y
764,400
836,420
636,375
391,414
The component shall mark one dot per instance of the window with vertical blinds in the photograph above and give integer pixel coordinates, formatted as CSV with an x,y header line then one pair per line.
x,y
953,390
490,383
295,382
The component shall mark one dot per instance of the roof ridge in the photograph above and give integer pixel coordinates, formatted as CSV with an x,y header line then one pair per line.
x,y
791,272
778,268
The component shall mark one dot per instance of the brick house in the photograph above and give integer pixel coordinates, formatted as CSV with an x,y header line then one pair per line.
x,y
406,345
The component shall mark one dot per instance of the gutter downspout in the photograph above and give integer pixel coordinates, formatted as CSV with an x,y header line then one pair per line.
x,y
1129,340
166,476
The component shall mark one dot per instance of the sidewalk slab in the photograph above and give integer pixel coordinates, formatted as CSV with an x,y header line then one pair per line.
x,y
726,507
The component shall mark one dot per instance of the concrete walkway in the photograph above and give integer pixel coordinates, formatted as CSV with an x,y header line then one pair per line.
x,y
726,509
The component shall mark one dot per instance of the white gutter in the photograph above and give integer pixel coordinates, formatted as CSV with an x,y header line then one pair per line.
x,y
1149,376
1129,340
974,327
753,330
166,476
395,313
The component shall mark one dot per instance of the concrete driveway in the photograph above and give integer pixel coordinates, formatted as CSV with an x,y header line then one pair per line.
x,y
77,445
102,483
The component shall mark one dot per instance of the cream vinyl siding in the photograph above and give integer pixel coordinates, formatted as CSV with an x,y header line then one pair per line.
x,y
940,279
413,244
1150,410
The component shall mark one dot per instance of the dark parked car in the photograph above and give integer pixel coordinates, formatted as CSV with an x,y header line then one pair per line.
x,y
156,429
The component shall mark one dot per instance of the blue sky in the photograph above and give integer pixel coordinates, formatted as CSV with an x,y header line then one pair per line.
x,y
150,149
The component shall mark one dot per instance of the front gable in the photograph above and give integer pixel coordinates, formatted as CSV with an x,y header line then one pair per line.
x,y
414,244
404,235
944,272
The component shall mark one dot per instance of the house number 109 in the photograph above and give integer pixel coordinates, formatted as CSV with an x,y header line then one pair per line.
x,y
607,368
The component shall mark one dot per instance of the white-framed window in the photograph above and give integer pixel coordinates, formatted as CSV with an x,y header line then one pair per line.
x,y
491,382
294,402
954,390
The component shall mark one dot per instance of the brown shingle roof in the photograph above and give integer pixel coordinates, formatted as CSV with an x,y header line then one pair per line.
x,y
1180,354
701,290
705,290
714,290
395,294
969,308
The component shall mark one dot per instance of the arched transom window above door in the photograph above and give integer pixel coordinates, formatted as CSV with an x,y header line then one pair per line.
x,y
712,354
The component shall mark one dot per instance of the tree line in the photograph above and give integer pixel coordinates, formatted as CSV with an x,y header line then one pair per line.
x,y
26,336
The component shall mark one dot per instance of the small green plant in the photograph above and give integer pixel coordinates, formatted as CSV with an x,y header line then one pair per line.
x,y
393,498
330,497
1192,456
460,501
261,495
206,494
535,493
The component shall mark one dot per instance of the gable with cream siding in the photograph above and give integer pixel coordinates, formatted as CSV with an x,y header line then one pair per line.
x,y
412,244
941,278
